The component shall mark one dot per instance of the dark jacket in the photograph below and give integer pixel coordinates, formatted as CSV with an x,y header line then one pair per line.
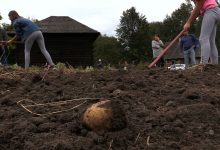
x,y
188,41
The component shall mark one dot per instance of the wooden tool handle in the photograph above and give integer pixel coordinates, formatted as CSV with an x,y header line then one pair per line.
x,y
166,49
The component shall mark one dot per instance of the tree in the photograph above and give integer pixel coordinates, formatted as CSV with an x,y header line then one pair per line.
x,y
133,35
108,49
155,28
173,24
7,27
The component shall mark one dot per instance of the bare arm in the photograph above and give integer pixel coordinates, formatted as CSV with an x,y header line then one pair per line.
x,y
195,13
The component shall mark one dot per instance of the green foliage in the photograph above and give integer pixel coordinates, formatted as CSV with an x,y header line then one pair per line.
x,y
155,28
61,66
173,24
7,27
133,35
108,49
15,66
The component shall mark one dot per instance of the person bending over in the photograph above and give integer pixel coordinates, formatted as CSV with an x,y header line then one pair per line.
x,y
29,32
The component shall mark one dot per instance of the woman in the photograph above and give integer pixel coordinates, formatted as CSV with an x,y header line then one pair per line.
x,y
29,33
211,15
157,47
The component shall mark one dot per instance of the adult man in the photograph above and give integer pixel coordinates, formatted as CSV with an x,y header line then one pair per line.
x,y
3,48
157,47
188,44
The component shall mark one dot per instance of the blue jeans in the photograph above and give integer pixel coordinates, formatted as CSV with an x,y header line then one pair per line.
x,y
189,57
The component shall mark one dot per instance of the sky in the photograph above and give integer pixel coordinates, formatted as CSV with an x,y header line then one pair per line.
x,y
101,15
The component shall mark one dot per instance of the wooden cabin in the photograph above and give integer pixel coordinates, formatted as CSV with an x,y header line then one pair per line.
x,y
67,40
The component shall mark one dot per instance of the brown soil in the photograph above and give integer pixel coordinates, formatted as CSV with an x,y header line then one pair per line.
x,y
163,109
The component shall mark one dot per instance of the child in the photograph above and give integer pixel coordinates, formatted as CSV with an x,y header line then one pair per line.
x,y
211,15
29,33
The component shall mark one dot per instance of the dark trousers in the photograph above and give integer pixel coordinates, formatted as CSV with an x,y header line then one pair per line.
x,y
160,62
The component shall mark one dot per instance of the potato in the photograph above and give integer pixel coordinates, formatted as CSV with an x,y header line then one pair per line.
x,y
98,116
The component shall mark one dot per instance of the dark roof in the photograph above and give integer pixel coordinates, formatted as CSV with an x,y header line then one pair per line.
x,y
175,53
63,24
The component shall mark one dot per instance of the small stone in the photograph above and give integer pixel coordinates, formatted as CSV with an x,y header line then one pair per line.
x,y
171,103
211,132
117,92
